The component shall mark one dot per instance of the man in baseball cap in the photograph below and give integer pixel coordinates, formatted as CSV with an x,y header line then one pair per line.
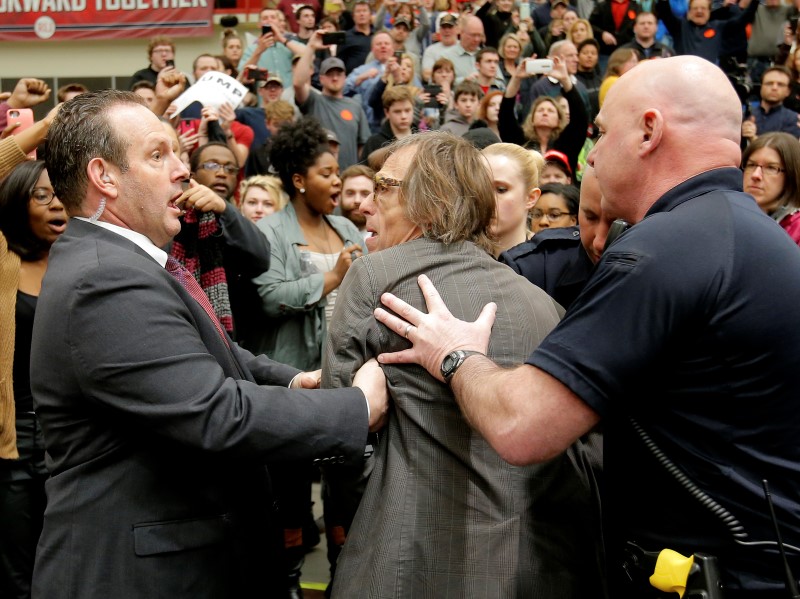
x,y
448,36
344,117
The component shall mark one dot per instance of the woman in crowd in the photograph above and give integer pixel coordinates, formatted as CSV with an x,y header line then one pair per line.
x,y
553,32
579,31
443,74
546,126
771,165
31,219
311,248
471,525
312,251
510,51
497,18
489,111
620,62
232,46
515,175
260,196
557,207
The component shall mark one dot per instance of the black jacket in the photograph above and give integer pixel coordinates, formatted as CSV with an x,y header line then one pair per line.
x,y
553,260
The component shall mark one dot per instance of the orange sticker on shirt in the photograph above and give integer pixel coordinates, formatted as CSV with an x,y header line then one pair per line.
x,y
709,33
631,15
346,115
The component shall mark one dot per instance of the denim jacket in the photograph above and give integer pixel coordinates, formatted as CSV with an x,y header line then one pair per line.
x,y
293,302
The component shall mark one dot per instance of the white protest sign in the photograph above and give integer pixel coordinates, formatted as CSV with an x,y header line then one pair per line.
x,y
213,89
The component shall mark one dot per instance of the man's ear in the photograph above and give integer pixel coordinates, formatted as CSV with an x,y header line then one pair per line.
x,y
652,130
101,177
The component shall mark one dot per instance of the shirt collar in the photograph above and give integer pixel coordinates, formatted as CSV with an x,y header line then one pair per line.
x,y
467,52
155,252
572,78
727,178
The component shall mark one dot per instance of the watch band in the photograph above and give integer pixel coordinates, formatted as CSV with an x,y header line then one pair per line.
x,y
453,361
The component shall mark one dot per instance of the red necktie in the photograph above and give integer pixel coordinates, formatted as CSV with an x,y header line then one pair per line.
x,y
190,284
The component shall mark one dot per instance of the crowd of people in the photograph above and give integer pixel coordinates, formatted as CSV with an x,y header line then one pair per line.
x,y
192,320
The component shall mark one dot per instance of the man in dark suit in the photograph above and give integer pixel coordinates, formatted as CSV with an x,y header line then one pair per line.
x,y
156,427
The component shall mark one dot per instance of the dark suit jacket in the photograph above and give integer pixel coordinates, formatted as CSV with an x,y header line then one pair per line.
x,y
156,432
443,514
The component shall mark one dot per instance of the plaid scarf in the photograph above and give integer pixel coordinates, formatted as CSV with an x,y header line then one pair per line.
x,y
198,247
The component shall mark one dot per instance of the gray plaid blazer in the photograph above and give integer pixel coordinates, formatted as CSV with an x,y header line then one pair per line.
x,y
443,515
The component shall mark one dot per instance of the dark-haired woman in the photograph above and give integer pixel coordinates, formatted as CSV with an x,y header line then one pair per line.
x,y
311,248
31,219
311,252
557,207
771,165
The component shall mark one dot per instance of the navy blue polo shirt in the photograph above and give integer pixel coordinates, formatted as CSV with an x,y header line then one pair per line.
x,y
691,325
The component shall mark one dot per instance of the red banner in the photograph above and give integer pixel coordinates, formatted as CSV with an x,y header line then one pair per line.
x,y
58,20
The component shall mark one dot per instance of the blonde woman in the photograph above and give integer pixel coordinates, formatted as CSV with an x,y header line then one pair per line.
x,y
579,31
510,50
515,175
260,196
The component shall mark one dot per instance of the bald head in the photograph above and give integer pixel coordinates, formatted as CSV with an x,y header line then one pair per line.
x,y
471,33
667,121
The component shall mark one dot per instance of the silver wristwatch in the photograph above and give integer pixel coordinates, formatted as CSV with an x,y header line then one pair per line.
x,y
453,362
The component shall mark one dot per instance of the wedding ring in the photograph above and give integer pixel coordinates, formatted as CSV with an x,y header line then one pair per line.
x,y
408,328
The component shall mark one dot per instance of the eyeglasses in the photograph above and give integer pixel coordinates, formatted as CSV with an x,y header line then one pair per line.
x,y
215,166
42,196
771,170
162,50
382,184
552,216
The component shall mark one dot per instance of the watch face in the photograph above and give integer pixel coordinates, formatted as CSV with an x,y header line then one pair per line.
x,y
449,362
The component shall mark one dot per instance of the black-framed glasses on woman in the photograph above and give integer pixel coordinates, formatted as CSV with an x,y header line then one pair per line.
x,y
552,215
42,196
771,170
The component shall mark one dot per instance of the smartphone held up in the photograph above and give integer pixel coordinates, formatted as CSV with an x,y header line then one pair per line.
x,y
539,66
23,116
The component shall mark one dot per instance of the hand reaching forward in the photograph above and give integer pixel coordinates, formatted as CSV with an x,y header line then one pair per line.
x,y
371,380
433,335
307,380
